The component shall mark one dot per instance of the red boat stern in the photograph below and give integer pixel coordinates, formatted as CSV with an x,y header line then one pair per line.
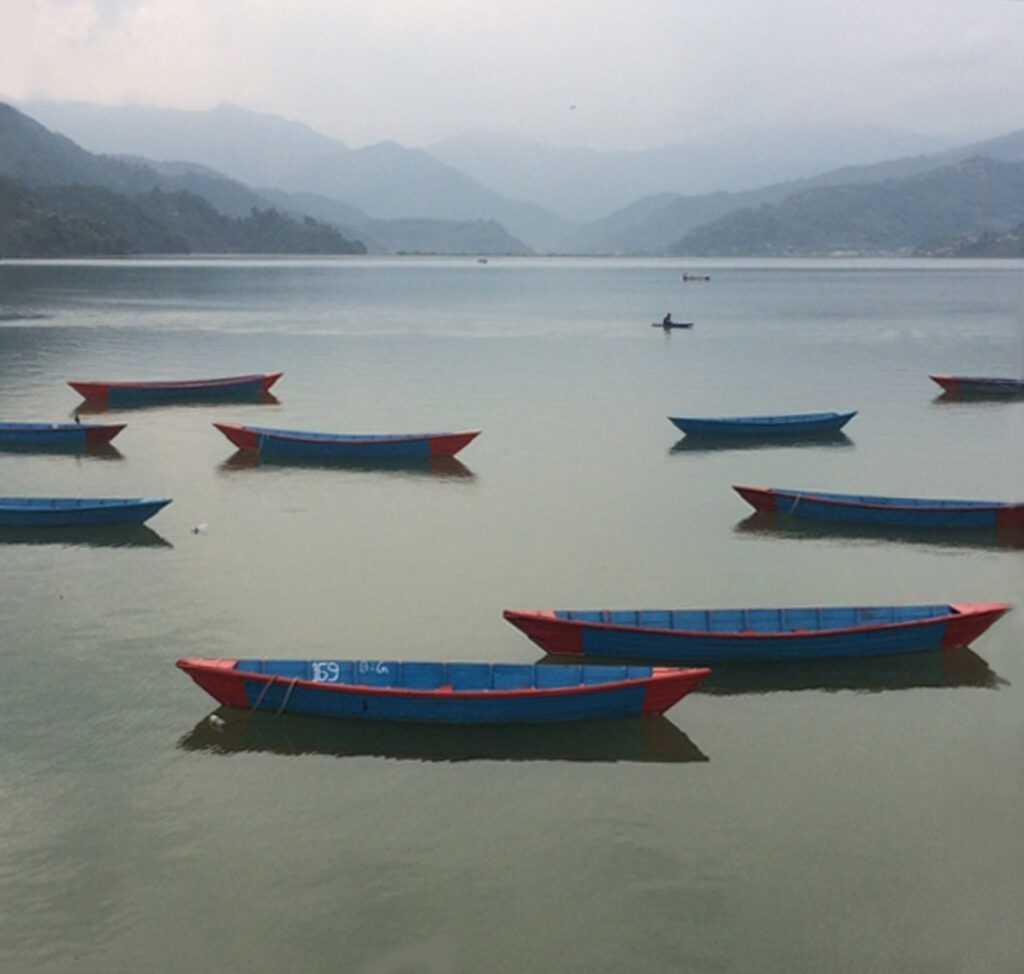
x,y
218,678
760,498
269,379
450,443
95,391
970,621
552,634
98,435
1010,516
670,685
243,437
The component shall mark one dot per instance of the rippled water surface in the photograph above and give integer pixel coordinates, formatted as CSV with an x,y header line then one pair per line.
x,y
797,818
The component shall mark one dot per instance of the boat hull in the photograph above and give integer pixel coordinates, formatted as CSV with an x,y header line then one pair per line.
x,y
989,386
189,390
327,446
710,636
65,512
56,436
762,426
448,693
672,324
920,512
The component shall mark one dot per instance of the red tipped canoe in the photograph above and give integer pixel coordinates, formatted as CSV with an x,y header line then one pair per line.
x,y
709,636
908,512
299,444
977,385
122,393
442,692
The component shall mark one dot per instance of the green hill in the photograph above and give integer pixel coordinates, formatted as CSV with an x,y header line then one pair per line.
x,y
57,200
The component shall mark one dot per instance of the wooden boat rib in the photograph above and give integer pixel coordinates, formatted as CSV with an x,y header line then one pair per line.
x,y
977,385
123,393
925,512
73,511
773,425
57,436
442,692
299,443
710,636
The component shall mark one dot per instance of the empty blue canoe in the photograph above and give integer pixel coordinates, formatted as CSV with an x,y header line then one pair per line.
x,y
442,692
56,436
910,512
712,636
792,424
128,393
345,446
70,511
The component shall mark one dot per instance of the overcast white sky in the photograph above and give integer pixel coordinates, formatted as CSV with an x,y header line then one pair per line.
x,y
604,73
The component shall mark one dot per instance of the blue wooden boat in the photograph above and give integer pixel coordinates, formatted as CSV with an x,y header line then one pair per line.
x,y
919,512
56,436
980,386
345,446
71,511
441,692
711,636
793,424
129,393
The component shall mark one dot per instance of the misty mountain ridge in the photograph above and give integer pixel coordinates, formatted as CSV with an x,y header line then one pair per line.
x,y
387,191
732,161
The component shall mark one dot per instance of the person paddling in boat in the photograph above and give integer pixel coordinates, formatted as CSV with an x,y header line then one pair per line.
x,y
666,322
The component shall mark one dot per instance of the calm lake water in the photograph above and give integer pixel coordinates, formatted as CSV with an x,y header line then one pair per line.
x,y
846,818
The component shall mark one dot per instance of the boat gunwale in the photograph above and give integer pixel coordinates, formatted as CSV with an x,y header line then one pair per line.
x,y
313,436
960,610
659,674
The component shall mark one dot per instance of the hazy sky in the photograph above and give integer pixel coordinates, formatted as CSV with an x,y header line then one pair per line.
x,y
604,73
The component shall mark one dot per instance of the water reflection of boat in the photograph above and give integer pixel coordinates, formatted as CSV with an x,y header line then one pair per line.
x,y
99,536
413,467
764,524
951,668
704,444
647,739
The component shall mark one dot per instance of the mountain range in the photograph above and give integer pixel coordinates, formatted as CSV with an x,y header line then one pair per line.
x,y
494,195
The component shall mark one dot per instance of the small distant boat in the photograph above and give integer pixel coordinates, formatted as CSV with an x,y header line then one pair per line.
x,y
711,636
344,446
924,512
696,277
671,324
442,692
973,385
186,390
72,511
779,425
56,436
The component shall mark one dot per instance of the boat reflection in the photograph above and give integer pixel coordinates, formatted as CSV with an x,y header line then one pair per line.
x,y
994,398
705,443
85,536
765,523
99,451
443,467
640,739
907,671
952,668
92,407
